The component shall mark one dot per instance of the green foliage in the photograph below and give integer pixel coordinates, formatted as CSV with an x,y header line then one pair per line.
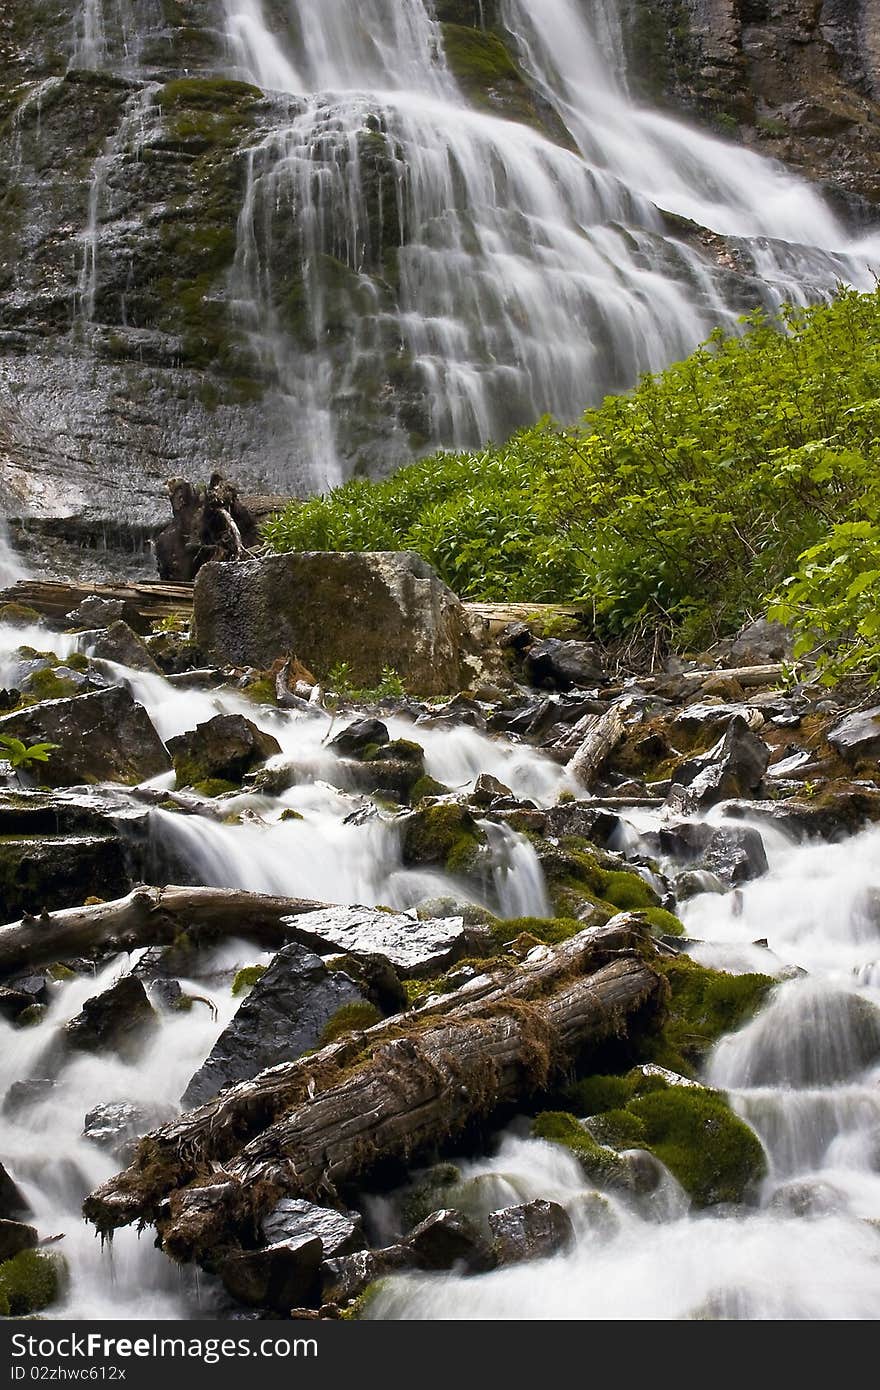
x,y
172,623
679,505
20,755
341,684
246,978
29,1283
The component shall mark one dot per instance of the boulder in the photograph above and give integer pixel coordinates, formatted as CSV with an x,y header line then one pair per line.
x,y
117,1126
283,1016
119,1020
59,871
758,644
487,789
363,734
279,1277
15,1237
227,746
120,644
12,1201
102,737
413,947
557,665
96,612
857,736
733,767
448,1240
340,1232
732,854
533,1231
370,610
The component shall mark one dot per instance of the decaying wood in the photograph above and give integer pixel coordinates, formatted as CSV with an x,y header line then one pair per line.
x,y
488,620
145,603
408,1085
148,917
602,737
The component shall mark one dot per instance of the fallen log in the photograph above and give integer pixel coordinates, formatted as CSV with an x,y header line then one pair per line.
x,y
406,1086
145,603
148,917
602,737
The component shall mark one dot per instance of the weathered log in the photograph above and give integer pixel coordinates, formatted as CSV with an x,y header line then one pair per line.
x,y
409,1084
602,737
145,603
148,917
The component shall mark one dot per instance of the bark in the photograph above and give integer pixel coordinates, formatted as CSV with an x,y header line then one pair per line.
x,y
407,1086
148,917
145,603
602,738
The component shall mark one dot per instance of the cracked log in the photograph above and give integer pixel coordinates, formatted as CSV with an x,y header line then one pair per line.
x,y
407,1086
148,917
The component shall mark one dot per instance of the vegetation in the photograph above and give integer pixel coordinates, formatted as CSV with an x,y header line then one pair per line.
x,y
20,755
751,467
29,1282
349,1018
246,978
703,1005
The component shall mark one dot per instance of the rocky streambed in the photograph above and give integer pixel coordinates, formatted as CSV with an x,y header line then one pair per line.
x,y
554,961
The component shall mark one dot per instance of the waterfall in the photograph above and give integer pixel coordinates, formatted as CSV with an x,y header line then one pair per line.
x,y
11,568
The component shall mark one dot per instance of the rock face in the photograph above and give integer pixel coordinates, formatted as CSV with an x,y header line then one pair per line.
x,y
340,1232
104,737
57,871
283,1016
858,735
226,746
734,767
369,610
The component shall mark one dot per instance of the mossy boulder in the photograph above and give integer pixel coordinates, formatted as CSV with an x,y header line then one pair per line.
x,y
101,737
702,1005
225,747
30,1282
18,614
601,1165
443,836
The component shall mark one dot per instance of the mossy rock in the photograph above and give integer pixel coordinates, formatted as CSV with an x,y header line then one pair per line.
x,y
429,1193
445,835
246,978
552,931
425,787
30,1282
349,1019
214,786
48,685
18,615
558,1127
702,1006
712,1152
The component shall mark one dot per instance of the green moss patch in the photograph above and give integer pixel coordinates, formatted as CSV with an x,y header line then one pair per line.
x,y
29,1283
350,1018
212,786
703,1005
246,978
709,1149
445,835
559,1127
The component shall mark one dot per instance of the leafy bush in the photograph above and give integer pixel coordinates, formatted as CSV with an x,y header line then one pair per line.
x,y
20,754
682,504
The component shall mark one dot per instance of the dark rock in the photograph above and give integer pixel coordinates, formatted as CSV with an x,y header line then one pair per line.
x,y
734,767
534,1231
12,1003
102,737
383,774
353,741
280,1277
858,735
117,1126
15,1237
759,644
340,1233
59,871
558,665
123,646
283,1016
412,946
119,1020
370,610
515,635
447,1240
346,1277
487,789
226,746
23,1094
732,854
376,977
12,1201
96,612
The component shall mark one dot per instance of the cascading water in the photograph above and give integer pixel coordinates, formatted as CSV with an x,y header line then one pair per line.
x,y
11,568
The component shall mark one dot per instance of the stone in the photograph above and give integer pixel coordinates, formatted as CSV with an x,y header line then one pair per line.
x,y
345,1278
15,1237
279,1277
353,741
733,767
117,1126
283,1016
370,610
857,736
449,1240
227,747
557,665
23,1094
487,789
413,947
732,854
60,871
102,737
533,1231
118,643
759,644
13,1203
120,1020
96,612
340,1232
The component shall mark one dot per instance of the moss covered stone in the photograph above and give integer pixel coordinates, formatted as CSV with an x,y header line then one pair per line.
x,y
30,1282
214,786
709,1149
703,1005
551,930
350,1018
425,787
559,1127
18,615
445,836
246,978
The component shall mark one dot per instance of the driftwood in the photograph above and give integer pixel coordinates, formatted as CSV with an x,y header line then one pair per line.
x,y
406,1086
208,523
145,603
148,917
602,738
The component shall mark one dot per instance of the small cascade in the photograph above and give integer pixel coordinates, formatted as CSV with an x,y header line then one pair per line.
x,y
520,886
11,567
90,37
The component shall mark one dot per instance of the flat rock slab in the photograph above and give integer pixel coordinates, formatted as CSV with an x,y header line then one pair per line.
x,y
858,735
413,947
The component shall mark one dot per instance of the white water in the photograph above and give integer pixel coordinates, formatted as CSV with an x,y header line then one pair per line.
x,y
11,567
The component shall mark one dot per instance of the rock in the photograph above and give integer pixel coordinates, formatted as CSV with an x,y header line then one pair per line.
x,y
23,1094
449,1240
280,1277
102,737
354,740
59,871
371,610
534,1231
117,1126
759,644
557,665
516,635
120,1020
487,789
857,736
123,646
96,612
412,946
376,977
226,747
443,836
340,1233
13,1002
15,1237
13,1203
731,854
346,1277
283,1016
734,767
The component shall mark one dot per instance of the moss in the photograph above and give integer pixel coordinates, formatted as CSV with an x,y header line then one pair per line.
x,y
246,978
350,1018
77,661
61,972
619,1128
550,930
429,1193
593,1094
709,1149
31,1016
358,1310
425,787
289,814
48,685
18,615
445,835
663,922
262,691
30,1282
399,750
559,1127
213,786
703,1005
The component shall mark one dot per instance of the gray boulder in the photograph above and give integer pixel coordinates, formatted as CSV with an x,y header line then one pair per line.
x,y
533,1231
758,644
117,1126
858,735
280,1277
413,947
557,665
284,1015
733,767
102,737
96,612
733,854
15,1237
354,740
369,610
120,1020
227,746
120,644
449,1240
340,1232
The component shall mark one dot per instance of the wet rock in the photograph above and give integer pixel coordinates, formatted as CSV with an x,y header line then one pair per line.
x,y
449,1240
102,737
393,771
24,1094
283,1016
13,1203
516,635
340,1232
226,747
731,854
360,736
279,1277
122,646
12,1003
558,665
534,1231
444,836
117,1126
377,979
806,1198
120,1020
857,736
413,947
758,644
345,1278
96,612
59,871
734,767
370,610
487,789
15,1237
